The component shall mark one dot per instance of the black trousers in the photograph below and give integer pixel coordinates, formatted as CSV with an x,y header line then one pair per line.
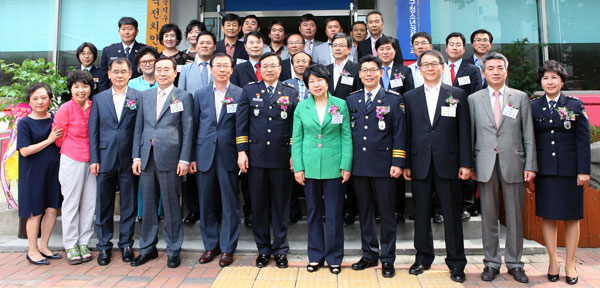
x,y
372,192
450,202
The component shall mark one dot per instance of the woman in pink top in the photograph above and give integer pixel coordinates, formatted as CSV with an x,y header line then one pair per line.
x,y
78,185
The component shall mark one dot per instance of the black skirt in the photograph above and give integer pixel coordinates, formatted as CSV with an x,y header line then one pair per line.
x,y
558,198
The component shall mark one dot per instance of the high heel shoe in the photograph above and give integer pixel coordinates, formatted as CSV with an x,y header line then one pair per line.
x,y
313,268
572,281
553,278
335,269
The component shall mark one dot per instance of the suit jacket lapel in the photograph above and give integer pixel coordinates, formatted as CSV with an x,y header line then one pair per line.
x,y
212,106
276,93
124,110
111,105
422,103
223,112
506,101
330,69
250,70
312,110
486,102
327,117
441,101
545,110
168,103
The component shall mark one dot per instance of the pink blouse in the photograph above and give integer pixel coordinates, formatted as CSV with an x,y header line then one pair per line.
x,y
75,141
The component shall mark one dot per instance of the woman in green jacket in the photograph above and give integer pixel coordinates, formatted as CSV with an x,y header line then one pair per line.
x,y
322,160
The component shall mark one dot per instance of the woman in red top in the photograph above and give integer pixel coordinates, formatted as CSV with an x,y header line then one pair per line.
x,y
78,185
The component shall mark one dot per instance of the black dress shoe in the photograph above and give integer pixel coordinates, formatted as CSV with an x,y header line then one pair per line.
x,y
519,274
364,263
103,257
457,275
143,258
127,254
553,278
475,212
262,260
418,268
400,218
41,262
349,219
139,219
335,269
173,261
377,218
248,221
387,270
191,218
465,216
294,218
438,218
489,273
281,261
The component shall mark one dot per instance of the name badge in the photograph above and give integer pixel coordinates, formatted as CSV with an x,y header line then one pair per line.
x,y
231,108
337,119
113,58
176,107
464,80
510,112
179,68
347,80
257,99
449,111
396,83
240,61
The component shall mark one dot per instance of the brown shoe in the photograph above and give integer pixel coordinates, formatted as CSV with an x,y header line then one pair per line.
x,y
209,255
226,259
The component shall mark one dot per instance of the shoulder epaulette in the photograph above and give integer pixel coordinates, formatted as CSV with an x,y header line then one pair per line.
x,y
287,84
252,83
392,92
534,98
573,97
357,91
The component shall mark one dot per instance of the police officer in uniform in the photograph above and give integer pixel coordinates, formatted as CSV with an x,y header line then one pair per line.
x,y
378,137
263,137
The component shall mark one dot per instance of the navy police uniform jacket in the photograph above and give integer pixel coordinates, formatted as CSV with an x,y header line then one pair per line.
x,y
563,145
263,129
115,51
377,146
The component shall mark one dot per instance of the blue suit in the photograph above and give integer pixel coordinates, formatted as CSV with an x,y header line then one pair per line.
x,y
376,149
115,51
265,135
111,142
216,160
243,74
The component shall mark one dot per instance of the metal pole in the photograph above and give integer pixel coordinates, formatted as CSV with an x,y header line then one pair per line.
x,y
57,4
544,20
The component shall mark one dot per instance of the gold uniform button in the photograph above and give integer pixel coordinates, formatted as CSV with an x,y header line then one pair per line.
x,y
319,145
364,148
553,153
268,142
366,127
364,137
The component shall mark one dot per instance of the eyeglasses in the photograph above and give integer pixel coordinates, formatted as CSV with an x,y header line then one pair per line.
x,y
369,70
147,62
482,40
267,67
422,43
430,65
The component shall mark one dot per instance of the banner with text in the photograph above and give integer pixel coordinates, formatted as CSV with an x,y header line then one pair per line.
x,y
159,14
412,16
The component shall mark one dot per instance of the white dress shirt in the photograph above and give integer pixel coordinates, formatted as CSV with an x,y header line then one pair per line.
x,y
219,96
447,70
337,70
119,101
321,113
416,73
493,99
555,99
431,96
373,93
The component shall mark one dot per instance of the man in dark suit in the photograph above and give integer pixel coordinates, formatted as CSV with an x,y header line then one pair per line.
x,y
440,153
230,24
294,44
249,71
344,73
264,130
467,77
379,155
215,159
481,42
375,27
111,125
127,48
162,146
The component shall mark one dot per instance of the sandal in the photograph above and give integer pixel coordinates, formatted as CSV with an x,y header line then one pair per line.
x,y
335,269
86,255
313,268
73,256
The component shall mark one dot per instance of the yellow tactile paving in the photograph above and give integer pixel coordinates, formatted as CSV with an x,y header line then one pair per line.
x,y
437,279
348,274
358,283
232,283
322,274
401,280
316,284
273,273
274,283
238,273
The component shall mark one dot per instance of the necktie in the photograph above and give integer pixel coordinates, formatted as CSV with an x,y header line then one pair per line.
x,y
308,49
270,91
160,101
552,105
258,76
204,74
386,77
452,74
374,51
127,50
369,100
497,109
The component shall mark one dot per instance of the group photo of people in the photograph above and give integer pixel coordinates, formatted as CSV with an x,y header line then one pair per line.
x,y
235,130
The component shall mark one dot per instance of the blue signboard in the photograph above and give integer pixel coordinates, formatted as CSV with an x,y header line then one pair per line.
x,y
276,5
412,16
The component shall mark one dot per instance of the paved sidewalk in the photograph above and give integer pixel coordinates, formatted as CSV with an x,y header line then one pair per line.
x,y
15,271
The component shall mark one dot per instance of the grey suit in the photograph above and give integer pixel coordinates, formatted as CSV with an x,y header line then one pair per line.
x,y
161,144
322,54
190,79
501,156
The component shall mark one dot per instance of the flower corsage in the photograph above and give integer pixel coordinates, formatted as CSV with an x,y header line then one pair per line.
x,y
284,102
131,104
451,101
381,112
